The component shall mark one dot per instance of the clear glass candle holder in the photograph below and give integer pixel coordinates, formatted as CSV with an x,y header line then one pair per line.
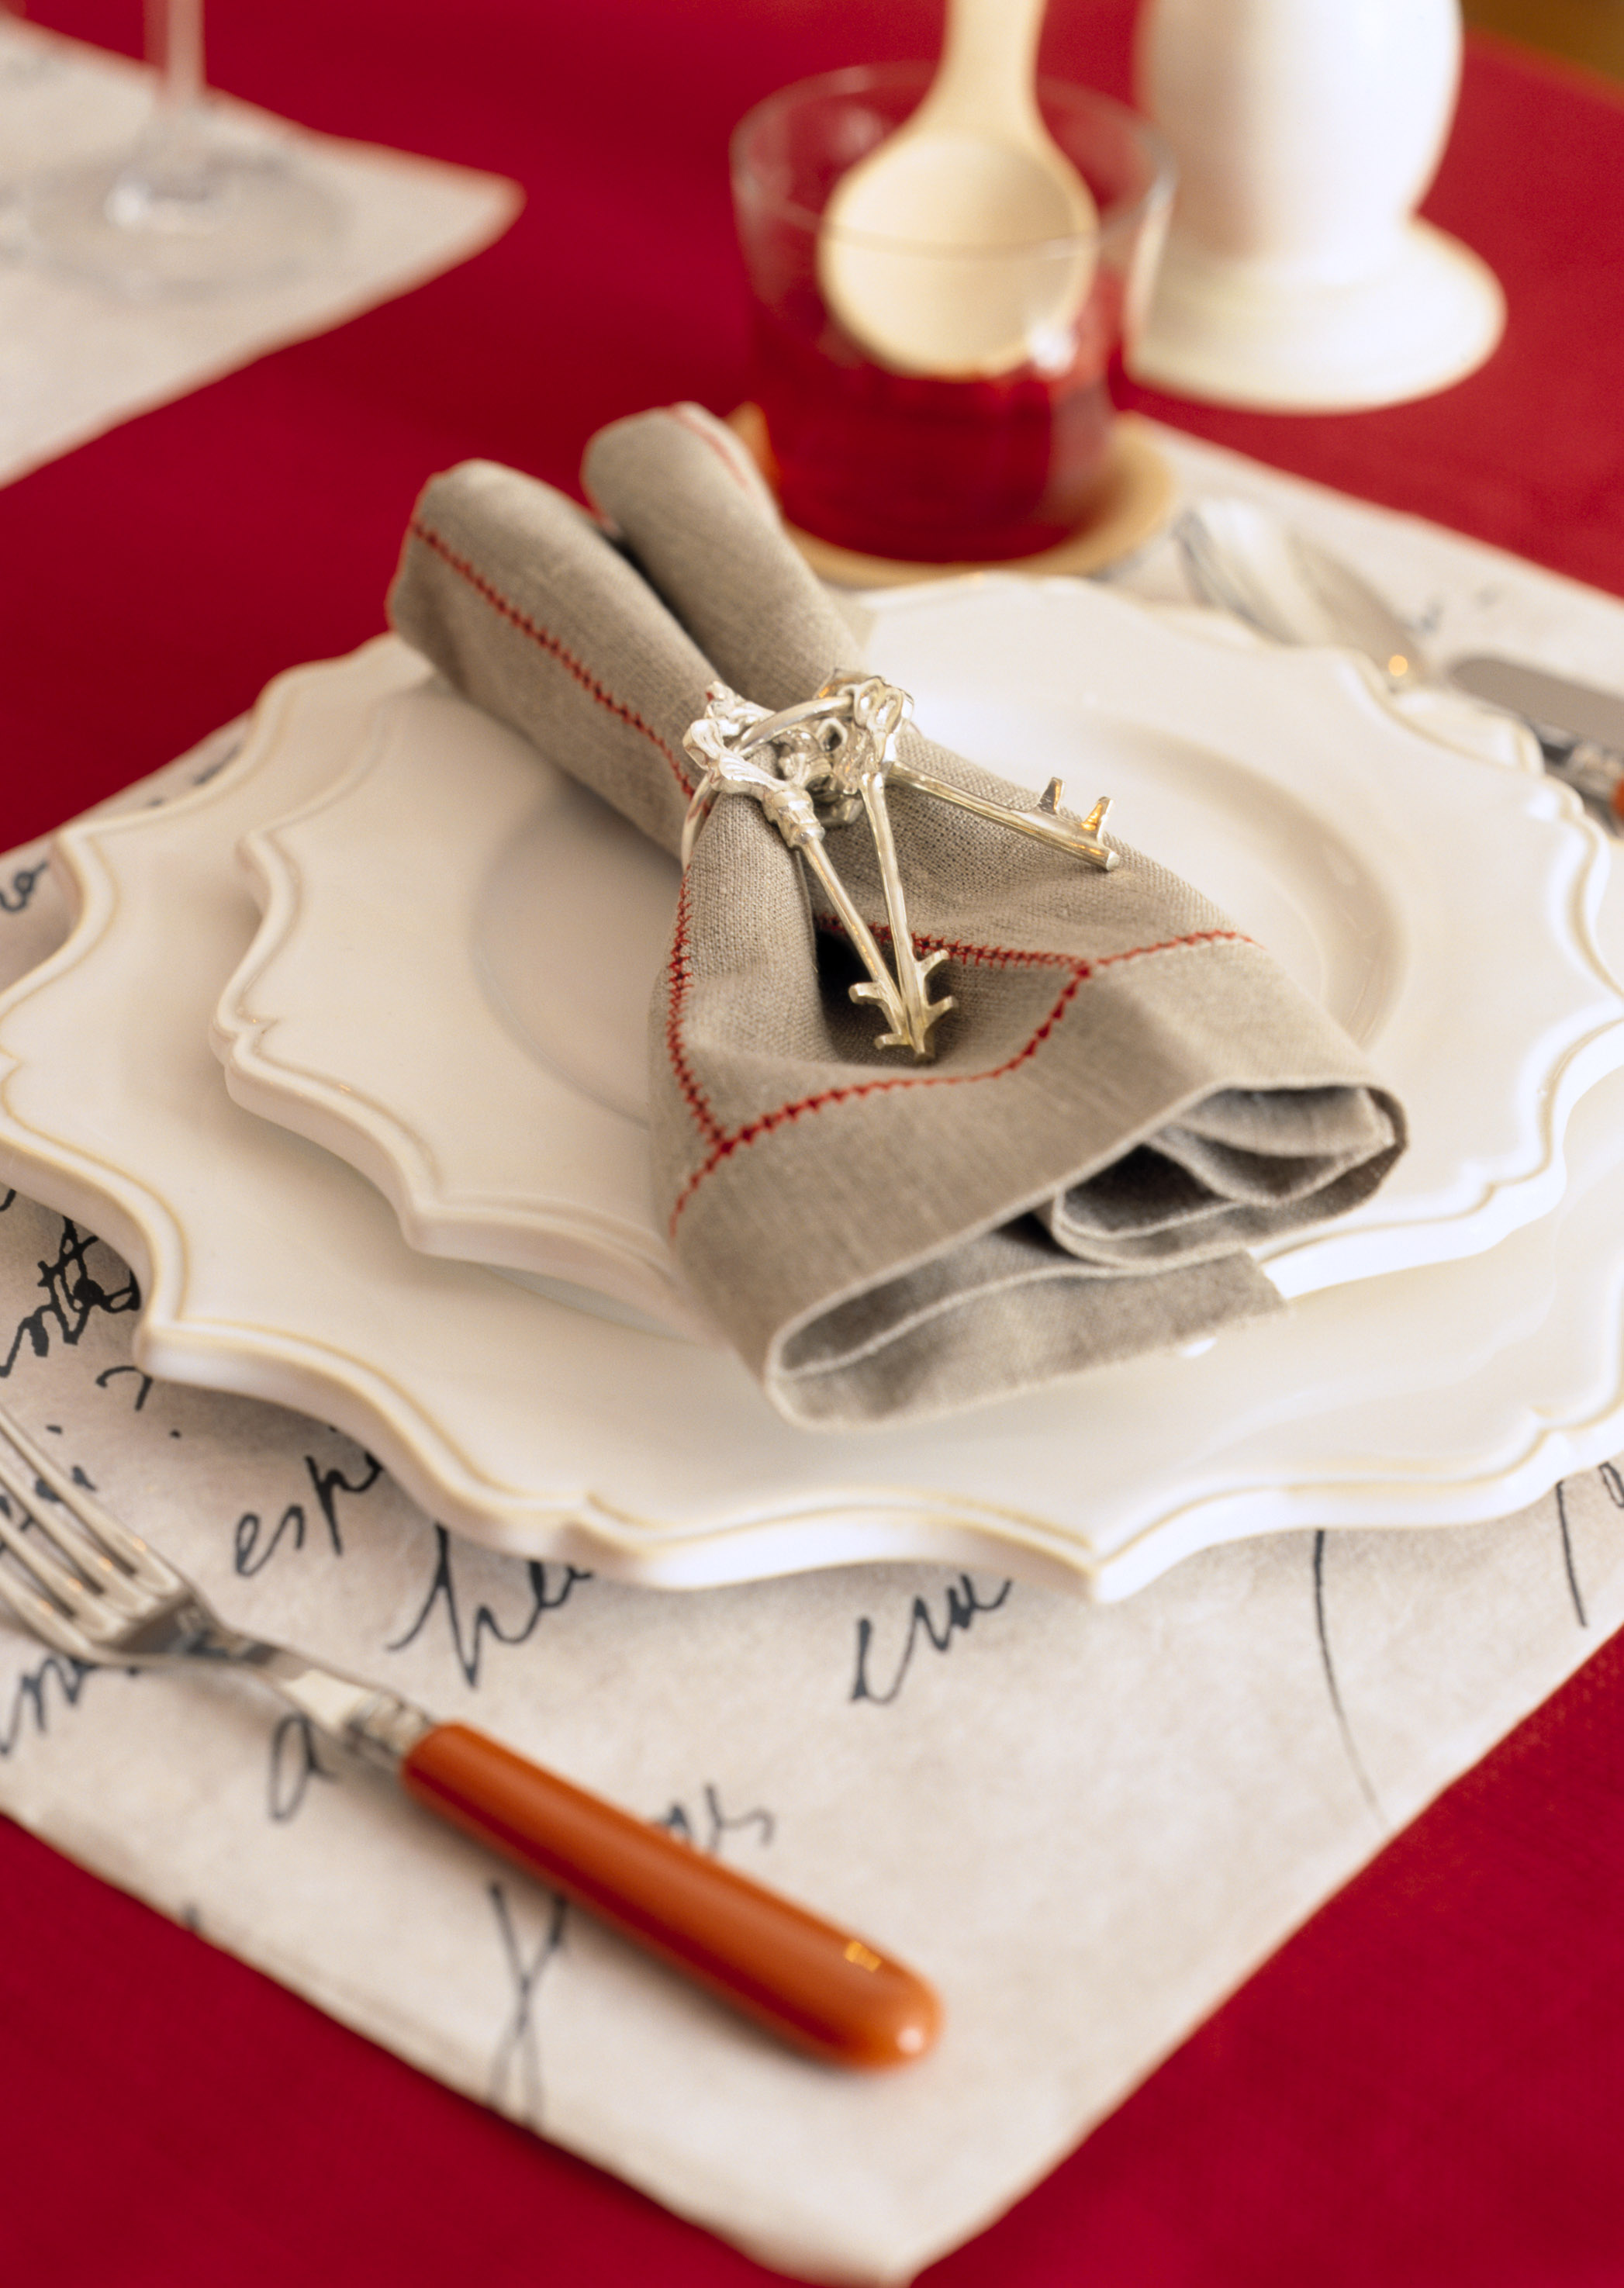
x,y
914,466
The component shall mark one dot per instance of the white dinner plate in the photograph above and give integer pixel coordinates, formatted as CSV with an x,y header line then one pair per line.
x,y
497,930
1430,1395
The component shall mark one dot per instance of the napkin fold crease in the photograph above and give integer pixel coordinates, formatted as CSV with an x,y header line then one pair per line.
x,y
1130,1094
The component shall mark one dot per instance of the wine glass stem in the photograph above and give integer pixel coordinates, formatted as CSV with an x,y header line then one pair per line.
x,y
171,161
175,45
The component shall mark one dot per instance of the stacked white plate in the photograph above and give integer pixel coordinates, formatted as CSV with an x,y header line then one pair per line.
x,y
425,1217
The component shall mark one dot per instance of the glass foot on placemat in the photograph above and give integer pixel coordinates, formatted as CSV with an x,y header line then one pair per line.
x,y
226,220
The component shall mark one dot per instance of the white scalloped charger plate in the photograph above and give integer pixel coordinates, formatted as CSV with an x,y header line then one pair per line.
x,y
496,929
1431,1396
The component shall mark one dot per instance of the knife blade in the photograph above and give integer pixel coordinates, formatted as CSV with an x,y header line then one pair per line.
x,y
1579,727
1575,710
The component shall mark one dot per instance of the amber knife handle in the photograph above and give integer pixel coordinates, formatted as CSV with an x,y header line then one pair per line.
x,y
817,1986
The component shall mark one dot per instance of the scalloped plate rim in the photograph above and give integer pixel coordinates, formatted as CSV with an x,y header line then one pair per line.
x,y
949,1527
414,1160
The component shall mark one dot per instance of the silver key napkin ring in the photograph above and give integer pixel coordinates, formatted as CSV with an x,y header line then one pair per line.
x,y
826,761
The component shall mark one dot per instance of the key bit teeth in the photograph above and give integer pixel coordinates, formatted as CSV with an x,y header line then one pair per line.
x,y
912,1029
1049,801
885,997
925,1016
922,1046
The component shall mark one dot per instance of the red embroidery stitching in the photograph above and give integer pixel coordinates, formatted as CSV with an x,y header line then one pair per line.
x,y
549,644
684,420
724,1145
679,972
994,956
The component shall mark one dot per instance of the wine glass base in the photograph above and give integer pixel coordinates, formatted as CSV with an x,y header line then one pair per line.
x,y
24,56
231,218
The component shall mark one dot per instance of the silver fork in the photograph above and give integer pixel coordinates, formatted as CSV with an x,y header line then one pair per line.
x,y
76,1577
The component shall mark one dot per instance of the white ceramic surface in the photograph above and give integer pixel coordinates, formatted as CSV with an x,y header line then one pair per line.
x,y
497,930
1372,859
1306,132
452,881
1428,1397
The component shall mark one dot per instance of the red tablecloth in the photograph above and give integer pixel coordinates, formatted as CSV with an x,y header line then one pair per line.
x,y
1427,2085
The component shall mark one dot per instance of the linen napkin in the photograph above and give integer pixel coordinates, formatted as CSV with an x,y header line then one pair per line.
x,y
1130,1094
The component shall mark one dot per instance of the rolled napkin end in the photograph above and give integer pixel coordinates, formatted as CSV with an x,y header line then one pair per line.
x,y
990,1320
508,588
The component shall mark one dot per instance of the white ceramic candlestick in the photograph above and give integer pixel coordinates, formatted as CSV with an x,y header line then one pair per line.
x,y
1296,275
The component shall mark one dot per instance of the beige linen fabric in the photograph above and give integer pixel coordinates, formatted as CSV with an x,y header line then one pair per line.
x,y
1130,1094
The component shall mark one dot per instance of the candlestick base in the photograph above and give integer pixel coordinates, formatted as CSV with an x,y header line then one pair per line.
x,y
1251,334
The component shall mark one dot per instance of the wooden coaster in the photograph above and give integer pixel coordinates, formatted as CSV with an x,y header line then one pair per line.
x,y
1135,499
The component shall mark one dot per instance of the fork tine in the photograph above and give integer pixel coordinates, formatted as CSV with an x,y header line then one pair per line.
x,y
39,1559
64,1538
31,1612
29,1493
126,1549
91,1615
